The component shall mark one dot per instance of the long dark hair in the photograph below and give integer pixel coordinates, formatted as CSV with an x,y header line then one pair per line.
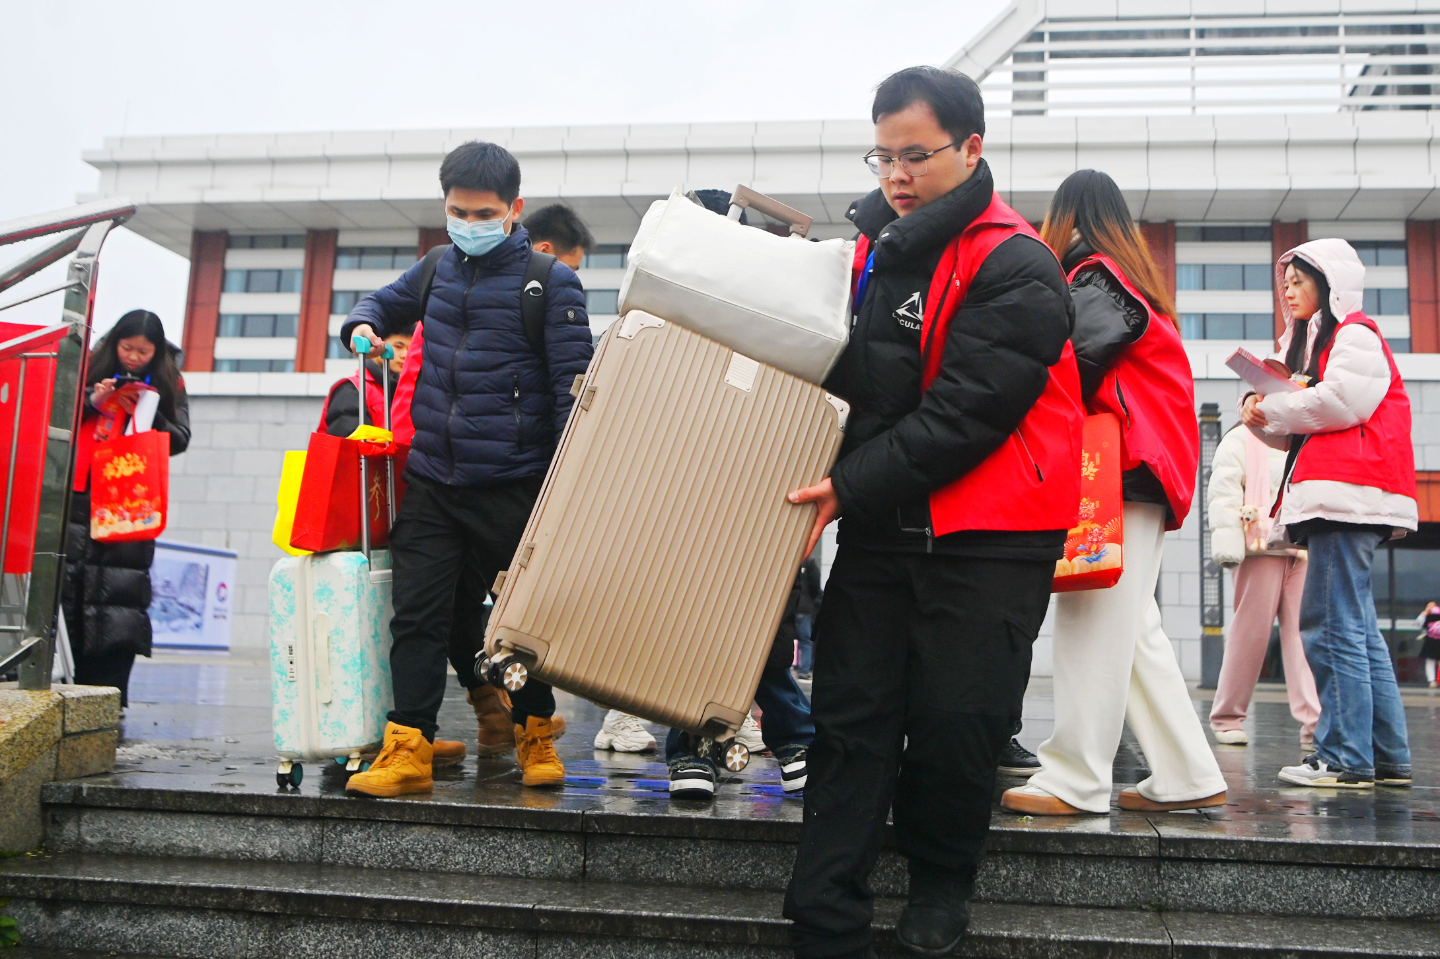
x,y
164,367
1090,202
1300,329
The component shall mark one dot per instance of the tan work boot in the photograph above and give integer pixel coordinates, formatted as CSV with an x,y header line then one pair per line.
x,y
535,752
496,735
403,766
447,752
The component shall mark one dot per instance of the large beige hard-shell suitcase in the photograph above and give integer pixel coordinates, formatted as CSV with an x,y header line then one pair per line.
x,y
655,567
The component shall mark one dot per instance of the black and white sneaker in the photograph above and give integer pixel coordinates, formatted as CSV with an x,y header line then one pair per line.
x,y
1016,760
1392,776
692,778
1315,772
792,767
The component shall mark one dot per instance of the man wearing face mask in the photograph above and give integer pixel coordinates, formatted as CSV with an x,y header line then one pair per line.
x,y
488,410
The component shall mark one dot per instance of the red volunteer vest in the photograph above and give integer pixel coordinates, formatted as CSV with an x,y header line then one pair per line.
x,y
1032,482
400,423
374,400
1375,453
1151,389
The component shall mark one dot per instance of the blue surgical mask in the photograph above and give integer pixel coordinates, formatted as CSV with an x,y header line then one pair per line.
x,y
477,237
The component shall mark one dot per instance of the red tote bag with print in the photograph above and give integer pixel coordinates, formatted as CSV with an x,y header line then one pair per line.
x,y
327,512
130,487
1095,549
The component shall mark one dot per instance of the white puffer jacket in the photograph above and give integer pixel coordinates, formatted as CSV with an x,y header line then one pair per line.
x,y
1227,511
1357,378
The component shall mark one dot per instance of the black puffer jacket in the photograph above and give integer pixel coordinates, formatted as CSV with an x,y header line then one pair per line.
x,y
1011,328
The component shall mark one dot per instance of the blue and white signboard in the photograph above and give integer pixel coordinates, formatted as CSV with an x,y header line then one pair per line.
x,y
193,589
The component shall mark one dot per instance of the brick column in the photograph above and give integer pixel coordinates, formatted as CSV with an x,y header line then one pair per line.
x,y
430,237
1423,256
314,327
202,300
1283,238
1160,237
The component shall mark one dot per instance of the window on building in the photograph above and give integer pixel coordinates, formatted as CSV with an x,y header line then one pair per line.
x,y
1223,276
602,302
258,324
343,301
291,241
1385,302
263,281
254,366
375,257
335,349
605,256
1381,252
1227,326
1222,234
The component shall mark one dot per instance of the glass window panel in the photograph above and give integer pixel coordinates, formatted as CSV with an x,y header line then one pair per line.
x,y
1189,276
1192,326
1224,326
605,256
347,258
1223,234
1224,276
1188,234
286,324
1399,346
234,281
1370,302
290,280
376,258
1394,302
230,324
1366,252
269,242
602,302
1258,276
1256,234
403,258
295,241
1391,253
1259,326
262,281
258,324
335,349
233,242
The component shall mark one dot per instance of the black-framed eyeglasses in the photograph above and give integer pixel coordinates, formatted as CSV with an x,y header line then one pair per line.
x,y
914,163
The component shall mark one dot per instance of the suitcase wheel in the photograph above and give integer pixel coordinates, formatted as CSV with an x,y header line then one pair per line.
x,y
289,775
734,754
511,676
354,764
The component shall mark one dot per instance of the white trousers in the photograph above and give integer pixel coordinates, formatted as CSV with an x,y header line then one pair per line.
x,y
1113,664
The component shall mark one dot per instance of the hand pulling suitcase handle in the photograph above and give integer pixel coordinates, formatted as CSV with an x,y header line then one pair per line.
x,y
362,351
744,197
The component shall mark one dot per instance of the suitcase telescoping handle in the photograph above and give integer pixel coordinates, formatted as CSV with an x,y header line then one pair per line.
x,y
362,347
744,198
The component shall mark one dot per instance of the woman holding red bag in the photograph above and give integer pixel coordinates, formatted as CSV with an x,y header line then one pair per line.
x,y
106,594
1113,662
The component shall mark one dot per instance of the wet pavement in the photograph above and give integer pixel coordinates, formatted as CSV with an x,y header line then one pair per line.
x,y
197,717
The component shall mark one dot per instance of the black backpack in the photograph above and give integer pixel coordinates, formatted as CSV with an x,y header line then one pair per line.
x,y
532,293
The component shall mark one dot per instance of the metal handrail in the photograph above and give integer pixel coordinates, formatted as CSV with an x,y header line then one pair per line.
x,y
117,210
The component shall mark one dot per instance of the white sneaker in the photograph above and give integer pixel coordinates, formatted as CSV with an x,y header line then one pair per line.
x,y
624,734
749,734
1315,772
1232,737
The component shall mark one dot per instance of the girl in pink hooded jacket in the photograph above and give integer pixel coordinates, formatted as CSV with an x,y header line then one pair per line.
x,y
1349,486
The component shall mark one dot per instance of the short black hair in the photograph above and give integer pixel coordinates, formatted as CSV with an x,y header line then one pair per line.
x,y
405,327
561,227
954,98
481,166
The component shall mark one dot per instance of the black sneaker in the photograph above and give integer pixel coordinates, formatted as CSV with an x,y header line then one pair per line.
x,y
1392,775
937,913
791,760
692,777
1314,771
1016,760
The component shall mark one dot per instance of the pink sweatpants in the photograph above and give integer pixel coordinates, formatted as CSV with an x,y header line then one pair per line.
x,y
1264,587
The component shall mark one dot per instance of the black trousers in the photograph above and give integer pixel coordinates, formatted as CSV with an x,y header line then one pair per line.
x,y
931,647
449,542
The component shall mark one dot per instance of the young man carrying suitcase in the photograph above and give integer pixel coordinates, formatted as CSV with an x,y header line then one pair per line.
x,y
957,482
488,407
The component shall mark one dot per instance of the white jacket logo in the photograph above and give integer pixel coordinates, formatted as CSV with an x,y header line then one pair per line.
x,y
911,313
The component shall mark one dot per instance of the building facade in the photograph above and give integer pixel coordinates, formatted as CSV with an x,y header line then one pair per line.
x,y
1236,130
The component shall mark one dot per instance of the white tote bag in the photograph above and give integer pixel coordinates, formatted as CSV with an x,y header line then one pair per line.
x,y
781,300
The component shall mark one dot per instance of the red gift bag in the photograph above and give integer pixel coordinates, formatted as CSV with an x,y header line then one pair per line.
x,y
130,487
1094,550
327,512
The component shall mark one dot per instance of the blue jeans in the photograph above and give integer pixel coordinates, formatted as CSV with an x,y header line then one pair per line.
x,y
787,710
1362,719
804,626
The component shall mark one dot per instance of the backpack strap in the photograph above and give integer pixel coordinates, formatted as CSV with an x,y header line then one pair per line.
x,y
532,300
427,276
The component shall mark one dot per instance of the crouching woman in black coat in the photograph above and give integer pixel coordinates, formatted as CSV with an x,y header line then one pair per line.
x,y
106,596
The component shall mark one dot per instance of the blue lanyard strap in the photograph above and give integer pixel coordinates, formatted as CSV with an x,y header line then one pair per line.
x,y
864,282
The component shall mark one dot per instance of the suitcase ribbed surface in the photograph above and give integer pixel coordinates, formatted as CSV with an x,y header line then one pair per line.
x,y
663,546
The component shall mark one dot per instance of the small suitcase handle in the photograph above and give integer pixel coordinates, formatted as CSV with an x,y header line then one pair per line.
x,y
362,353
744,197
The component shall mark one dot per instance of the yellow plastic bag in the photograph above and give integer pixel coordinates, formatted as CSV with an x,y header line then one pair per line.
x,y
291,473
371,434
